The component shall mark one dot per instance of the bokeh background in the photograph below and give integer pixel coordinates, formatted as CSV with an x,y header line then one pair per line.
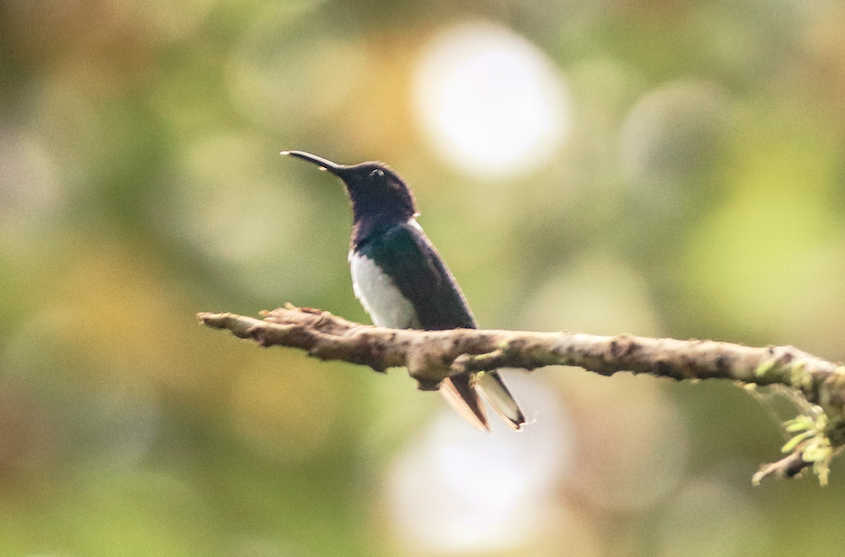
x,y
654,167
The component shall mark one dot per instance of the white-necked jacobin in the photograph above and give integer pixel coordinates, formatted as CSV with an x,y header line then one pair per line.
x,y
403,283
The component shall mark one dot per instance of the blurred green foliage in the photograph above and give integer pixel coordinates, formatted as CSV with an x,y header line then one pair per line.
x,y
698,193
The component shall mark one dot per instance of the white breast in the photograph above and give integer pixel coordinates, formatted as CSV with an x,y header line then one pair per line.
x,y
380,296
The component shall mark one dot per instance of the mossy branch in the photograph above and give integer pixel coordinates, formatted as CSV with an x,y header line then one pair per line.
x,y
430,356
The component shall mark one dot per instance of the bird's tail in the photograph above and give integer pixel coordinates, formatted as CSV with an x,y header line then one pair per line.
x,y
497,394
461,391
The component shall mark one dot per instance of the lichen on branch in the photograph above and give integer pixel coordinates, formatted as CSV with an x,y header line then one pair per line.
x,y
431,356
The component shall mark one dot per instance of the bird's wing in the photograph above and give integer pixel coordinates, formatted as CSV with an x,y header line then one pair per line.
x,y
406,254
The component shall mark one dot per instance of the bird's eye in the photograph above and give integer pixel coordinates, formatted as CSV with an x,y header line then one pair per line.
x,y
377,173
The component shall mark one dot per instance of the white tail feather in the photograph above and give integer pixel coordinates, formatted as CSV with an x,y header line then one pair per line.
x,y
496,393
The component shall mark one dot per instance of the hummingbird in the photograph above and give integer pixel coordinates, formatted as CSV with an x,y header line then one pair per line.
x,y
402,282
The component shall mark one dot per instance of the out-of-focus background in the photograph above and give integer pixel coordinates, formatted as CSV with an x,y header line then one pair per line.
x,y
658,167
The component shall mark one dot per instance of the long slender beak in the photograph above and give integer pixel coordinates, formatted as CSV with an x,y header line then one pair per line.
x,y
324,164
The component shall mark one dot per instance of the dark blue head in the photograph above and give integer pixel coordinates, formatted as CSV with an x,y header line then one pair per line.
x,y
375,190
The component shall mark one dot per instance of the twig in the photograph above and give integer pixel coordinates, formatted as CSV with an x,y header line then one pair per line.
x,y
431,356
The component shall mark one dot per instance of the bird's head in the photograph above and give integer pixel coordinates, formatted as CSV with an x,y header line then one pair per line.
x,y
376,191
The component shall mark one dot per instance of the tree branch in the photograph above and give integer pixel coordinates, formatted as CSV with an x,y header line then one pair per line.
x,y
431,356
